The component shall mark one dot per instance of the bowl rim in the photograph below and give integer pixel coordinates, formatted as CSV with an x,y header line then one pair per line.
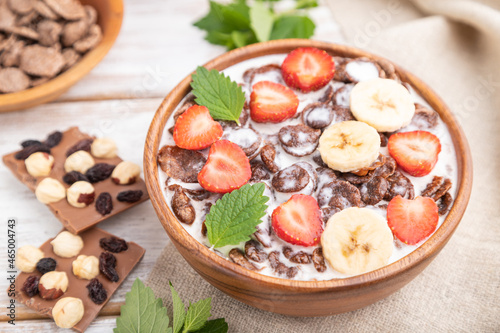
x,y
177,232
56,86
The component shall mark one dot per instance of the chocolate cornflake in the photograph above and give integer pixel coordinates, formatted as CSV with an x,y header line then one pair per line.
x,y
249,74
387,168
342,95
329,212
238,257
267,155
181,164
198,195
339,194
317,115
279,267
254,252
374,191
13,80
384,140
291,179
424,117
358,180
327,97
247,139
259,171
299,140
181,205
377,163
299,258
445,203
319,260
399,184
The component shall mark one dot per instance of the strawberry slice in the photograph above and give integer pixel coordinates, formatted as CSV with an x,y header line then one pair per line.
x,y
298,221
272,102
415,152
411,221
227,168
195,129
307,69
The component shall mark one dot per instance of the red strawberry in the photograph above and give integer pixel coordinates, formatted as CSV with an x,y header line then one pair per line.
x,y
195,129
272,102
415,152
412,220
298,221
307,69
227,168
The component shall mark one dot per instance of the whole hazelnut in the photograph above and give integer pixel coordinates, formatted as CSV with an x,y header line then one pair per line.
x,y
67,245
125,173
27,258
103,148
50,190
86,267
80,194
53,284
79,161
68,311
39,164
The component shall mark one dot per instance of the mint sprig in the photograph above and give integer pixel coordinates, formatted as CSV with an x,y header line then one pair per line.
x,y
223,97
143,312
234,217
237,24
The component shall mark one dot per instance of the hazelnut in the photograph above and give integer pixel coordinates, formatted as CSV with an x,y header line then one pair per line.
x,y
103,148
125,173
67,245
39,164
68,311
79,161
86,267
50,190
80,194
53,284
27,258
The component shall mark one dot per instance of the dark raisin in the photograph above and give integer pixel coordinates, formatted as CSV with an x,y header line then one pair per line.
x,y
53,139
73,177
104,203
99,171
113,244
30,286
28,143
26,152
129,196
46,265
107,264
80,145
97,293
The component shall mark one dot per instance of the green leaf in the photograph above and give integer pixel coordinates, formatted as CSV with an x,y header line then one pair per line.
x,y
234,217
142,312
293,26
261,21
223,97
225,18
197,315
179,312
305,4
214,326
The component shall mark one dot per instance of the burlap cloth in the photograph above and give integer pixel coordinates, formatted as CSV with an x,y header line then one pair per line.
x,y
453,46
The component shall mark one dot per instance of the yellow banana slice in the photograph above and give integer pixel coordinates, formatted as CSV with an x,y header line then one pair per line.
x,y
357,240
349,146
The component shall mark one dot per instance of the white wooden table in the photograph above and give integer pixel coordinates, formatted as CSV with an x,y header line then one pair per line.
x,y
156,48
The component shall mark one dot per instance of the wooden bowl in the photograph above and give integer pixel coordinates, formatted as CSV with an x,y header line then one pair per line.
x,y
110,17
303,298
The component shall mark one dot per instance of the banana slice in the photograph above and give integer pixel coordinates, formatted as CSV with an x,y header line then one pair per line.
x,y
349,146
383,104
357,240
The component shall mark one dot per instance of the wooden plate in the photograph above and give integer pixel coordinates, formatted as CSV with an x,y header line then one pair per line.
x,y
303,298
110,17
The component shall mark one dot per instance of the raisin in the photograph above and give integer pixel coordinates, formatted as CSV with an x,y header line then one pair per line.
x,y
73,177
107,264
99,172
80,145
113,244
129,196
97,293
30,286
28,143
26,152
46,265
104,203
53,139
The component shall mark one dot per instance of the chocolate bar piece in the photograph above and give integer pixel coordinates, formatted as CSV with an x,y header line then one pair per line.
x,y
125,262
75,219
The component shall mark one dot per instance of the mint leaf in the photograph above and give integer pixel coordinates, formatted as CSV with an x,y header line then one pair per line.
x,y
225,18
214,326
261,19
142,312
197,315
179,312
223,97
305,4
293,26
234,217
